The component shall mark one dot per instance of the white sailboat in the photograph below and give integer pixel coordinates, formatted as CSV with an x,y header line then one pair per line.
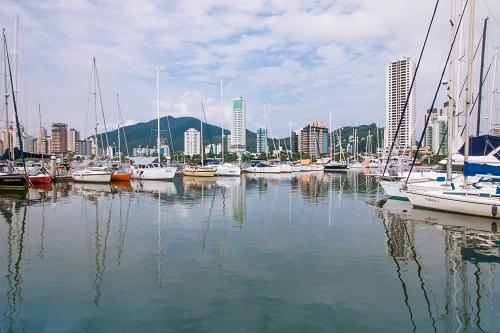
x,y
153,169
468,200
224,169
91,172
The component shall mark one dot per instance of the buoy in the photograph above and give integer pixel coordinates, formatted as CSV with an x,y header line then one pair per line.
x,y
494,227
494,210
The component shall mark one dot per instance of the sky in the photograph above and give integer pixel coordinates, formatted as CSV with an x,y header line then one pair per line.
x,y
292,61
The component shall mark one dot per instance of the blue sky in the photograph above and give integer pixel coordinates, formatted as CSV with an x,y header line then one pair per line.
x,y
300,58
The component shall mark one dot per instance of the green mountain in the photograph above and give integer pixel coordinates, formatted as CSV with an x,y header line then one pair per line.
x,y
144,134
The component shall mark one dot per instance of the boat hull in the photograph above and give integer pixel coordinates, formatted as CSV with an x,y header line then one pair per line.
x,y
335,168
40,179
273,169
92,177
223,170
13,182
456,203
198,172
165,173
121,176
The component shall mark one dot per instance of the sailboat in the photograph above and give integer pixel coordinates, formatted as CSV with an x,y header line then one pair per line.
x,y
120,173
334,166
199,169
224,169
93,171
10,180
470,200
152,168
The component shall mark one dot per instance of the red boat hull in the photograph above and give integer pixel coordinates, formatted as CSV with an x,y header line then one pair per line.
x,y
44,179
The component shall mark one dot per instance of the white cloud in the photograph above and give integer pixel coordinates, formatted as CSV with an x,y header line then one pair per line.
x,y
303,57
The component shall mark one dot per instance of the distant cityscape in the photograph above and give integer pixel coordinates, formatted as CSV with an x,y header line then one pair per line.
x,y
312,139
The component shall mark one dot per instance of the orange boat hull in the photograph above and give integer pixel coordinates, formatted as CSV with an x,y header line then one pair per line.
x,y
122,176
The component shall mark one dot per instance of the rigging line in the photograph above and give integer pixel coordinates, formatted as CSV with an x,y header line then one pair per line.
x,y
436,94
477,96
15,105
123,128
102,106
445,136
207,128
170,134
403,111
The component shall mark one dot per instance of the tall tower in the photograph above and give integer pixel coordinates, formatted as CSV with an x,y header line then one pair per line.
x,y
59,144
191,142
262,141
238,142
399,76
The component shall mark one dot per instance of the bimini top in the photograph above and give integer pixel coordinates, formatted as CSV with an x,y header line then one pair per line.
x,y
483,145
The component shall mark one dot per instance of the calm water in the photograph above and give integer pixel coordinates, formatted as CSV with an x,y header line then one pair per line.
x,y
313,253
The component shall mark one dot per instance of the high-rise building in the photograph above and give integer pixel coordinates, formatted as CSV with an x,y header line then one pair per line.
x,y
59,143
295,141
42,141
262,141
314,139
83,147
436,138
73,137
191,142
399,76
238,142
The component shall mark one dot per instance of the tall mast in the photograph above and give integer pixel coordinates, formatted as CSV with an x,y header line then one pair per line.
x,y
458,80
95,110
158,111
222,120
16,47
330,129
481,70
493,89
40,130
451,101
468,98
201,140
290,149
6,96
118,128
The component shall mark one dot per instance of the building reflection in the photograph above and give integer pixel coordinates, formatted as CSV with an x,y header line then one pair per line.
x,y
471,248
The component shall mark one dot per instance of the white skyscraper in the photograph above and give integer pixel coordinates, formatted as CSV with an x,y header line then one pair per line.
x,y
191,142
238,143
399,76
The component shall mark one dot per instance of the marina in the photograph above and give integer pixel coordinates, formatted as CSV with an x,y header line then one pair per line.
x,y
192,184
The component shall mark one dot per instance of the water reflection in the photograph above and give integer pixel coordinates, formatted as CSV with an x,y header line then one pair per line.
x,y
14,211
470,247
152,243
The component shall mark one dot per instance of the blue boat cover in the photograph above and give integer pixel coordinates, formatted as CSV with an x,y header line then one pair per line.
x,y
482,145
472,169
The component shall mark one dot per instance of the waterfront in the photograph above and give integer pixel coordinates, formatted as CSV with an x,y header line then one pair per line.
x,y
260,253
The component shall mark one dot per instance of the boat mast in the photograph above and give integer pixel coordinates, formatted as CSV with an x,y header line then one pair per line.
x,y
493,89
468,98
158,112
201,140
95,111
451,101
481,70
39,130
329,129
118,129
290,149
6,96
16,47
222,120
459,58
